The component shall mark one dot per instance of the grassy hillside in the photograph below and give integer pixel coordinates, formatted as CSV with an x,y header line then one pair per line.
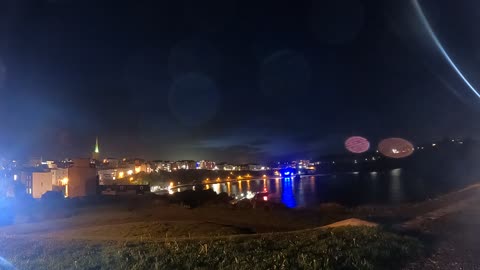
x,y
339,248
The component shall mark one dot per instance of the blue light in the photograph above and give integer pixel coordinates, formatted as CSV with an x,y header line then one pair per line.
x,y
424,20
288,197
287,172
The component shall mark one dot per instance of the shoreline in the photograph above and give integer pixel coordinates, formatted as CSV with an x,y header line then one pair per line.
x,y
239,180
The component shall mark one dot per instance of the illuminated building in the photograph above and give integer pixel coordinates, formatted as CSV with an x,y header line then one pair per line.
x,y
143,168
107,176
252,167
110,162
184,165
227,167
36,181
162,165
206,165
110,175
256,167
58,174
303,164
41,183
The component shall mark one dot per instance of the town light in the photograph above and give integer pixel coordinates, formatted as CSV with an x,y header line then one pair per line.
x,y
64,181
129,172
120,174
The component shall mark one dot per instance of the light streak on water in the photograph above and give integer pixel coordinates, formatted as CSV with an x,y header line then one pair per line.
x,y
434,37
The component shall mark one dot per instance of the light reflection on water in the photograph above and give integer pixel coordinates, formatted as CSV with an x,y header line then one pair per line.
x,y
391,187
396,189
288,197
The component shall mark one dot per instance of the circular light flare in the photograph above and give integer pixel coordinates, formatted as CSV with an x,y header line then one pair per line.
x,y
395,148
357,144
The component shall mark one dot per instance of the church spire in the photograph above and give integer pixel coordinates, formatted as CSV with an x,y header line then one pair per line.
x,y
96,145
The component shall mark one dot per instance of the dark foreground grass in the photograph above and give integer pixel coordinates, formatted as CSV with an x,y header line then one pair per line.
x,y
338,248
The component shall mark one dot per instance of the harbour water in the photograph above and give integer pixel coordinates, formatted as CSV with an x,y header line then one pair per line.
x,y
355,188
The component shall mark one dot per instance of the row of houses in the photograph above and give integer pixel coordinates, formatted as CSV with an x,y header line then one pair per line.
x,y
108,176
167,165
160,165
112,168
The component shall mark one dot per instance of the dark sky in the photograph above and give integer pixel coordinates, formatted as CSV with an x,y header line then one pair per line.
x,y
231,80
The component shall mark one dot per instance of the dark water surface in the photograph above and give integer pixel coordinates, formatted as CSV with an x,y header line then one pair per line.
x,y
388,187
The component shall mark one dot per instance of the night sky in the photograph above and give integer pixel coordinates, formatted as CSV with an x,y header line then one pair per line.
x,y
231,81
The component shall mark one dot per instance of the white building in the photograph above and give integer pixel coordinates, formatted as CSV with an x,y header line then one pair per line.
x,y
228,167
41,183
206,165
256,167
163,165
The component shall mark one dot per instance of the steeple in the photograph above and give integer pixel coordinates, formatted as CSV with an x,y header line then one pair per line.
x,y
96,146
96,151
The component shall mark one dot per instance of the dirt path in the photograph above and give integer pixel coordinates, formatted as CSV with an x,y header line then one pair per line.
x,y
455,231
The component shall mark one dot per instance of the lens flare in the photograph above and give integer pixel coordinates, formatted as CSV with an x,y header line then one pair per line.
x,y
395,148
357,144
439,45
6,265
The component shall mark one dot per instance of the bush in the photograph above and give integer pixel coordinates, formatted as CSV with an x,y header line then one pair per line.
x,y
244,204
53,196
196,198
